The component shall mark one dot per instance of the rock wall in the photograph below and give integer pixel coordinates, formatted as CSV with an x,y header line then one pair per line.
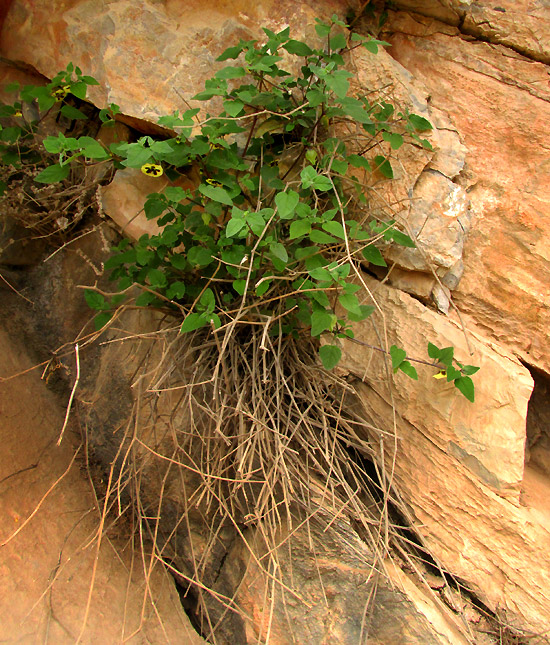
x,y
479,206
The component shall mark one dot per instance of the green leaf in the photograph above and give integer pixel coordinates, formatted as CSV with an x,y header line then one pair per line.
x,y
419,123
466,386
350,303
371,47
338,41
92,148
468,370
384,166
452,373
320,237
102,319
321,321
263,287
52,174
297,48
233,108
323,183
308,176
402,238
216,193
146,298
398,355
136,155
286,203
154,207
320,273
174,194
322,29
373,255
335,228
279,251
176,290
231,52
157,278
54,145
79,89
338,82
208,300
72,113
358,162
299,228
230,72
433,350
193,321
364,312
239,286
161,147
90,80
356,110
395,140
95,300
199,256
446,355
330,356
409,370
234,226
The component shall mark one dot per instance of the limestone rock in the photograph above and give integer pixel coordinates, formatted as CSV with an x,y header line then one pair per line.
x,y
46,565
123,199
519,24
487,437
330,579
145,55
459,466
500,104
423,195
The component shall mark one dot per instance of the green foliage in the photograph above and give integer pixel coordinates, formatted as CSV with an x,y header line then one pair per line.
x,y
275,229
460,374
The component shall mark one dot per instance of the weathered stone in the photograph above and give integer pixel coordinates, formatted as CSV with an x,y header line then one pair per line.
x,y
459,466
422,195
147,56
123,199
487,437
500,104
328,575
47,565
522,25
438,221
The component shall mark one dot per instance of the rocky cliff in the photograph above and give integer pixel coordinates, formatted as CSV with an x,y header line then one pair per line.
x,y
473,479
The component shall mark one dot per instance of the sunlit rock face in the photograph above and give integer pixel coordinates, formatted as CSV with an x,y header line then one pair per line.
x,y
478,205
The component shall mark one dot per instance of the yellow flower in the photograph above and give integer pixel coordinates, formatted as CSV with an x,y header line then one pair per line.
x,y
152,169
61,92
213,182
442,374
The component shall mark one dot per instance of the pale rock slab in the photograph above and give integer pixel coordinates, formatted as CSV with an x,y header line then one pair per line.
x,y
330,577
424,195
459,466
522,25
500,104
147,56
487,437
49,559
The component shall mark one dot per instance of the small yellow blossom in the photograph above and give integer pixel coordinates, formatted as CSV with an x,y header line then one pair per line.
x,y
61,92
213,182
442,374
152,169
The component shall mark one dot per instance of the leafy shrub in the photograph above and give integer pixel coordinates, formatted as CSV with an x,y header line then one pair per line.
x,y
275,228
